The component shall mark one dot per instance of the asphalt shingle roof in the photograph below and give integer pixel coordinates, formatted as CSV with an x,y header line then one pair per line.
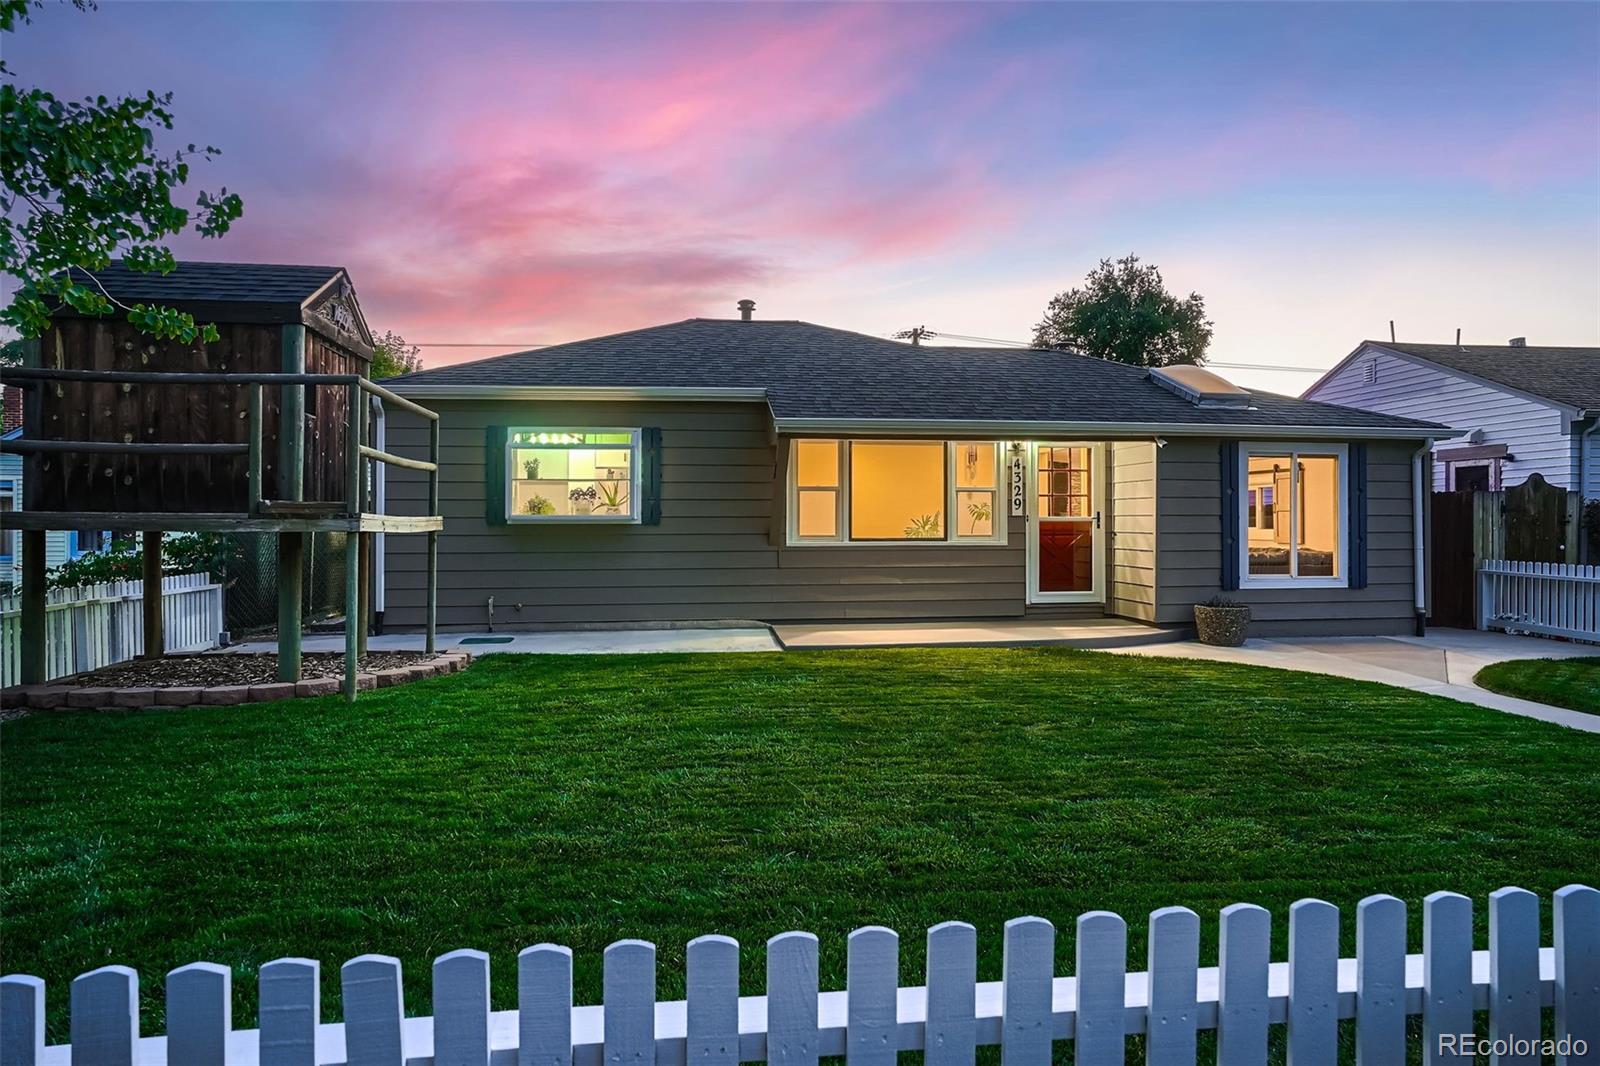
x,y
192,282
1566,375
816,372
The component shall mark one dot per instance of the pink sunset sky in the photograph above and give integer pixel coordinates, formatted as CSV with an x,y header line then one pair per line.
x,y
516,174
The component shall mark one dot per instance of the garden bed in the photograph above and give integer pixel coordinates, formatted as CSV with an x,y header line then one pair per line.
x,y
223,680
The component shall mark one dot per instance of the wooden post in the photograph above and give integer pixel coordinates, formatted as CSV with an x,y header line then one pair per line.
x,y
154,638
34,648
364,598
433,534
352,611
252,504
291,486
291,569
358,546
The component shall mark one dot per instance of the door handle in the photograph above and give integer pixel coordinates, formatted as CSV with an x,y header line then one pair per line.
x,y
1097,520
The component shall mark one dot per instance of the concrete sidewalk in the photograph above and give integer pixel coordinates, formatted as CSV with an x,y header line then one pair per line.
x,y
1442,663
555,642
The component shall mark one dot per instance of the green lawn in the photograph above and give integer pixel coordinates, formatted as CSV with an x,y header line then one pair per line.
x,y
588,798
1573,683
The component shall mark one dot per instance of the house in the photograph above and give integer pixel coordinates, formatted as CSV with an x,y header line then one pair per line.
x,y
61,545
1519,409
783,471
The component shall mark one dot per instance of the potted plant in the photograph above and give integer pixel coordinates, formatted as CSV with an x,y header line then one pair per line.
x,y
613,494
539,505
530,469
583,499
1221,621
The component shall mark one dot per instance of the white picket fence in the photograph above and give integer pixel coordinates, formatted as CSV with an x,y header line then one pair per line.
x,y
1552,599
873,1019
98,625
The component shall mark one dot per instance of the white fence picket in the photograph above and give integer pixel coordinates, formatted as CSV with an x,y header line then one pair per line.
x,y
712,987
1380,982
1313,983
1513,973
461,1009
1027,1016
950,1035
374,1011
872,985
1576,935
544,1006
873,1019
629,999
291,1010
199,1014
1243,953
105,1017
21,1019
1174,966
1553,599
93,626
1446,977
792,1000
1101,1033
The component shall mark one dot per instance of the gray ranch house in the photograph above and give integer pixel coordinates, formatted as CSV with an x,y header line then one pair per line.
x,y
781,471
1516,409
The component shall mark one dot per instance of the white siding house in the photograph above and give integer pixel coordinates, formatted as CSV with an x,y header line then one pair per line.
x,y
1520,409
60,544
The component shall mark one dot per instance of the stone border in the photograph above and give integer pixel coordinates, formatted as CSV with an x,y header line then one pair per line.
x,y
56,696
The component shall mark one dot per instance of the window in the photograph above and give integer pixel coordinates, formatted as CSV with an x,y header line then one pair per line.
x,y
572,475
1293,513
893,491
9,537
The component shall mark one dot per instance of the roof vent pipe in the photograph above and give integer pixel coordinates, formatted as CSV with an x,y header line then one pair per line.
x,y
1519,342
746,309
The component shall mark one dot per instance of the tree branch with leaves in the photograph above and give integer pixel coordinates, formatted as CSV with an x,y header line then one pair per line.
x,y
83,184
1124,313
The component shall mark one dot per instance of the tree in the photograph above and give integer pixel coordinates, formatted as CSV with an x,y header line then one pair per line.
x,y
83,183
1125,313
392,356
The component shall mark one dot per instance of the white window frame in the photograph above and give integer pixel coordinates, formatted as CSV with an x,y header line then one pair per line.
x,y
1293,450
635,435
952,537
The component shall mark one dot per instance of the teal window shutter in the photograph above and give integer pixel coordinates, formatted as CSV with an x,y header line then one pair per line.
x,y
1358,516
650,475
1229,476
494,476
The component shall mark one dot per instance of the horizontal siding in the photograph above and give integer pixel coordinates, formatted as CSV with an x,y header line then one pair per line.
x,y
717,554
1189,529
1534,433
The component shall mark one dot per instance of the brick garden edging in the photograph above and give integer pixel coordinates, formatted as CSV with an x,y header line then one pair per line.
x,y
58,696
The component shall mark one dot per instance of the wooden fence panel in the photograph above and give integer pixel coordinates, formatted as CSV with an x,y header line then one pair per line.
x,y
873,986
1243,954
951,1028
712,987
1446,976
1313,983
1513,971
1027,1018
874,1019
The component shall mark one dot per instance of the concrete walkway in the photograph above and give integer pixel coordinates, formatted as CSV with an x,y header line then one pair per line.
x,y
1091,633
562,642
1442,663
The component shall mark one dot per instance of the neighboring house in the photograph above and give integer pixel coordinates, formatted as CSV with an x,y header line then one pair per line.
x,y
783,471
60,545
1520,409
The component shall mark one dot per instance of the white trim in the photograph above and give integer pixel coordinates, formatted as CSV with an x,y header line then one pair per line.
x,y
635,504
1341,526
1097,500
423,390
951,539
828,427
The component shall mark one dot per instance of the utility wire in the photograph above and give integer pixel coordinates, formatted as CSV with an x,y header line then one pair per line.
x,y
1209,362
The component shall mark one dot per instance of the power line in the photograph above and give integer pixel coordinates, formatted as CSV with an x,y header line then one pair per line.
x,y
923,332
458,344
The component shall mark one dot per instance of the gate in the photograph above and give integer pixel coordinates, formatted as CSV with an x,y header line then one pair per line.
x,y
1454,561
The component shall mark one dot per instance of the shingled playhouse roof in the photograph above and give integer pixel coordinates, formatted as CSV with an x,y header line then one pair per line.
x,y
811,375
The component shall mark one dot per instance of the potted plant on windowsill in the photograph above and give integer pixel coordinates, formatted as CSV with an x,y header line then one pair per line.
x,y
1221,621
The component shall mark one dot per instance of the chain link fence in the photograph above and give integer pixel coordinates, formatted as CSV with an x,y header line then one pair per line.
x,y
250,581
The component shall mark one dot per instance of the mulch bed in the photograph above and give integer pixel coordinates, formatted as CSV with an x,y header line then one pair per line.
x,y
205,671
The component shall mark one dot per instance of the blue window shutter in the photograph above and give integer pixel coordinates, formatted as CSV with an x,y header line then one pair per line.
x,y
494,476
1230,515
1358,516
650,475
